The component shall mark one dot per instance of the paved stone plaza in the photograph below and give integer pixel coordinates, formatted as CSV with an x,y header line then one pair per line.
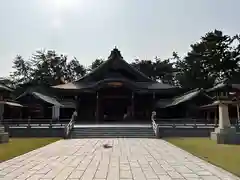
x,y
127,159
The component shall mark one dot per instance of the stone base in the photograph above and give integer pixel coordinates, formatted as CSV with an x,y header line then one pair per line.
x,y
226,136
4,138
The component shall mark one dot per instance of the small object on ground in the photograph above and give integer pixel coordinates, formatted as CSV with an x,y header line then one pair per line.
x,y
106,146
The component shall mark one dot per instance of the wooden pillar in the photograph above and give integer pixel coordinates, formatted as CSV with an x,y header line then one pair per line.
x,y
153,101
76,103
55,112
1,113
133,114
238,114
97,108
208,116
215,117
153,97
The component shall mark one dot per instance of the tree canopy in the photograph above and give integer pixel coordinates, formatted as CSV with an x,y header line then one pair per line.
x,y
214,58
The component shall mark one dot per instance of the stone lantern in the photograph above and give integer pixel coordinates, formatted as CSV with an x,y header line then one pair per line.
x,y
224,133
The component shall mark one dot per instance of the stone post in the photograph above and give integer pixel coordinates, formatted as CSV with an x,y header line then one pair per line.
x,y
224,121
224,133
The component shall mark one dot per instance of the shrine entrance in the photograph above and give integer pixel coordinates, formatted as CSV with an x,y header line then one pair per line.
x,y
116,108
115,104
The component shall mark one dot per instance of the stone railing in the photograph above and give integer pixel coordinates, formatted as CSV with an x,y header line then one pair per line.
x,y
154,124
178,124
188,123
68,128
44,122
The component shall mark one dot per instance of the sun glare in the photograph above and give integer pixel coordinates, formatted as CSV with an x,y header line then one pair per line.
x,y
57,9
62,5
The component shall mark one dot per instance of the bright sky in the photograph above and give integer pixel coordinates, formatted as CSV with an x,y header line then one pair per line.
x,y
89,29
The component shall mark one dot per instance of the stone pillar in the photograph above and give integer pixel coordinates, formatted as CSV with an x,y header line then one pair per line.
x,y
4,136
224,133
224,121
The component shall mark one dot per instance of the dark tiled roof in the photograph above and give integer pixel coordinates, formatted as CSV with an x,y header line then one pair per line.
x,y
154,85
162,103
224,86
181,99
48,99
70,86
115,60
3,87
116,63
42,96
68,103
135,85
10,103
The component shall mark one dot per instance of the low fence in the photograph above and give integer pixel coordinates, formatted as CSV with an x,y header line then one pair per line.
x,y
183,127
35,127
35,131
34,122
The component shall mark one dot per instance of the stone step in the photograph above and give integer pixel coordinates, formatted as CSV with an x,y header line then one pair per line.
x,y
96,132
113,130
112,134
80,137
148,128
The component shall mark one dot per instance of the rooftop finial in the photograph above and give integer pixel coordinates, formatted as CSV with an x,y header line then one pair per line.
x,y
115,54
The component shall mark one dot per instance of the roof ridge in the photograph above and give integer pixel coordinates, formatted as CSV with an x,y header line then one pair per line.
x,y
95,69
139,71
90,72
6,87
188,92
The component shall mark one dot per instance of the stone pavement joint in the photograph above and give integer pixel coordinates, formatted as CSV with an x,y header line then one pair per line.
x,y
128,159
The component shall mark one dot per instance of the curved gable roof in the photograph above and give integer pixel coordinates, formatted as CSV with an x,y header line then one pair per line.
x,y
121,69
115,61
41,96
182,98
